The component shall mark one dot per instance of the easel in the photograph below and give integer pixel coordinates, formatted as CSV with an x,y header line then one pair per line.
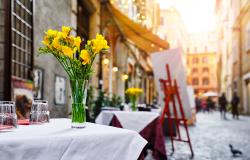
x,y
171,95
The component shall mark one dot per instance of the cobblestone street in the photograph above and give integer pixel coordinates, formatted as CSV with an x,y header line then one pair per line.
x,y
211,136
210,139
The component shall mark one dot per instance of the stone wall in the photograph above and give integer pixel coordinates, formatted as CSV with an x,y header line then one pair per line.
x,y
51,14
54,14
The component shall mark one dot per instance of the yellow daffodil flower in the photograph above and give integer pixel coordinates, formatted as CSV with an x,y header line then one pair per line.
x,y
75,49
66,30
134,91
56,43
59,34
77,42
88,42
99,43
68,51
46,41
51,33
85,56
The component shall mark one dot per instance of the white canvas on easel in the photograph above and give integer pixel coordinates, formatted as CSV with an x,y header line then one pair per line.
x,y
174,59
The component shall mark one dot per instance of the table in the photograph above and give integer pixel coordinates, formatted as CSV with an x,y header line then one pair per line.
x,y
57,140
147,124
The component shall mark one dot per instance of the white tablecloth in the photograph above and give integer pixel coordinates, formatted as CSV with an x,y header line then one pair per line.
x,y
58,141
135,121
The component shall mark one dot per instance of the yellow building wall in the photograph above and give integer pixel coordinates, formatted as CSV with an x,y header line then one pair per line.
x,y
200,75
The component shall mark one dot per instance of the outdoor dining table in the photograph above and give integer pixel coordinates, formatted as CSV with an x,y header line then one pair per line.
x,y
147,124
57,140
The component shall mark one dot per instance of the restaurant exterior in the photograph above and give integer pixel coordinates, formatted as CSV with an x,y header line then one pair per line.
x,y
22,70
131,45
24,75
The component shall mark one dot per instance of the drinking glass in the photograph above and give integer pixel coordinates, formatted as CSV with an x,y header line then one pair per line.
x,y
39,112
8,117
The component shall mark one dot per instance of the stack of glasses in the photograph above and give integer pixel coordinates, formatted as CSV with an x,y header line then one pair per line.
x,y
39,112
8,118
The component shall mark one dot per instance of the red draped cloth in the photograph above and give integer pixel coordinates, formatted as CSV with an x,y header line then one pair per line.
x,y
153,134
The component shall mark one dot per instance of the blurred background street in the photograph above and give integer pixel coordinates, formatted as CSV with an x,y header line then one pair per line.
x,y
211,137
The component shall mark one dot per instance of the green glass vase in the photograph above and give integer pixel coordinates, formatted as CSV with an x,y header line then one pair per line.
x,y
79,95
133,101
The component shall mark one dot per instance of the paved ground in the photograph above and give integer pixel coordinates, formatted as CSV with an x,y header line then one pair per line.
x,y
211,136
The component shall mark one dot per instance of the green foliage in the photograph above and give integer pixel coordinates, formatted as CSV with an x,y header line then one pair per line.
x,y
90,102
103,100
99,103
116,101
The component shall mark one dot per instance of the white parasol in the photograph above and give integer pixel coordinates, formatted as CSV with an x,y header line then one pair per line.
x,y
210,94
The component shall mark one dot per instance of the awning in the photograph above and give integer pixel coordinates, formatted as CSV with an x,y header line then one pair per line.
x,y
140,36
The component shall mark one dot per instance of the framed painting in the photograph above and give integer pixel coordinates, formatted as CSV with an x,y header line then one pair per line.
x,y
60,90
38,83
23,96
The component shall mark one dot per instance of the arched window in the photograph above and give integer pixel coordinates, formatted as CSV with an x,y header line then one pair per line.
x,y
204,59
205,70
205,81
195,60
195,81
194,71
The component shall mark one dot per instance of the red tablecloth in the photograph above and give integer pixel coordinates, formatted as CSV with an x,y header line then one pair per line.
x,y
153,134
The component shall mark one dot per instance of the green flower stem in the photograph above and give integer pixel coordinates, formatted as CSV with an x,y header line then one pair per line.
x,y
78,113
64,65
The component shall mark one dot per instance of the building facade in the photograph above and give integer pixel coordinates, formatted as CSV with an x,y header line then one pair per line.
x,y
201,61
234,21
202,72
172,28
144,12
22,30
123,23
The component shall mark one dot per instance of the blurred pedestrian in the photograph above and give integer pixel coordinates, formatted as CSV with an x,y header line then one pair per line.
x,y
235,102
197,104
223,105
210,104
204,105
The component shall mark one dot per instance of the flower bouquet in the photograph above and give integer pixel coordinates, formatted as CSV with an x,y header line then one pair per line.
x,y
133,94
77,61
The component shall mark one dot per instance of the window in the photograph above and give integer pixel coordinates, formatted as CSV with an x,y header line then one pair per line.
x,y
195,81
195,60
205,81
204,59
22,38
194,71
205,70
